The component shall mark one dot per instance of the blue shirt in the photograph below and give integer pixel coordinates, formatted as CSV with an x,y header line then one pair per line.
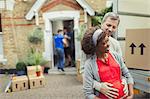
x,y
58,41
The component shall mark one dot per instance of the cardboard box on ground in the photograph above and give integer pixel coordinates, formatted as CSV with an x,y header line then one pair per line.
x,y
137,54
21,82
34,80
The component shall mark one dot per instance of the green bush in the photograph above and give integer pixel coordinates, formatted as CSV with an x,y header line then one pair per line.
x,y
36,36
35,58
20,66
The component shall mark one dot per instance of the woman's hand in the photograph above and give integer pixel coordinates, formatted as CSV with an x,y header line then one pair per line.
x,y
108,91
125,89
130,93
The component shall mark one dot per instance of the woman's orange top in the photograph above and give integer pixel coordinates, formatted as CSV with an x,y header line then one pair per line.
x,y
110,72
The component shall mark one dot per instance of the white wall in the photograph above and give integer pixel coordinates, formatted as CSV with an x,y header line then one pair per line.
x,y
133,14
9,4
134,6
1,45
130,22
57,25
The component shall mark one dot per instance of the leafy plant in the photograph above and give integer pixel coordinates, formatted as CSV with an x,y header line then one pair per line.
x,y
36,36
83,28
97,19
35,58
20,66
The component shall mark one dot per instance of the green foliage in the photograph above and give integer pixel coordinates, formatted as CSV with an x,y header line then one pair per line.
x,y
20,66
96,20
35,58
36,36
83,28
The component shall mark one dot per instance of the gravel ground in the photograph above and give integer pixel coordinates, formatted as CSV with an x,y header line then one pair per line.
x,y
57,87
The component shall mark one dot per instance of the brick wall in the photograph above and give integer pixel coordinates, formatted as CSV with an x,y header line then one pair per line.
x,y
15,30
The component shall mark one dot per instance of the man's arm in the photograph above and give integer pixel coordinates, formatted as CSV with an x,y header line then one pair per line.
x,y
88,82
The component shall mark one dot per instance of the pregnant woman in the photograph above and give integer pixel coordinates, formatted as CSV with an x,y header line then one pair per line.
x,y
105,67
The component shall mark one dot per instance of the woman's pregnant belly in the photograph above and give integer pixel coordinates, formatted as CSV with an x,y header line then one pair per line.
x,y
117,85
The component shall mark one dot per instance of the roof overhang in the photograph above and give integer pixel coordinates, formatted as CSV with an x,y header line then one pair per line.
x,y
86,7
39,3
35,8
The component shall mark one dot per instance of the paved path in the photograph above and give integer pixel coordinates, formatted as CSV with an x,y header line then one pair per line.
x,y
57,87
60,86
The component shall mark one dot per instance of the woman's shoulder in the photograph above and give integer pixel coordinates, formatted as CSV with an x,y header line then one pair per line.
x,y
116,55
90,61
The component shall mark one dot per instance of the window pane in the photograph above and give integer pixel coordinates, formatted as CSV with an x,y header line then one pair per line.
x,y
1,46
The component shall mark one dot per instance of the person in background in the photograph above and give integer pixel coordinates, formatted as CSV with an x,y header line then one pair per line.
x,y
59,48
105,67
68,48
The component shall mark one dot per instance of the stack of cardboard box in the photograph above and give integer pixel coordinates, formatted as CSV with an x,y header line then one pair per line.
x,y
35,80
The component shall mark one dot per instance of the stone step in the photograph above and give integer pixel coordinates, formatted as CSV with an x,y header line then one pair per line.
x,y
68,71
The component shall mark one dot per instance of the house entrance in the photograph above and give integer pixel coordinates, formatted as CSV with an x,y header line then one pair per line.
x,y
57,19
68,29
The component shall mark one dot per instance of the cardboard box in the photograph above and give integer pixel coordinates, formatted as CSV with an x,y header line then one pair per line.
x,y
36,82
137,54
19,83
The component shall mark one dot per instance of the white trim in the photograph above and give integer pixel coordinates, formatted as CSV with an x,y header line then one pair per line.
x,y
2,60
61,15
36,7
39,3
9,4
48,38
86,7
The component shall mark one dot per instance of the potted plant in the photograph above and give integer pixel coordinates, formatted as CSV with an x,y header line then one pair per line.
x,y
35,58
36,36
21,68
38,72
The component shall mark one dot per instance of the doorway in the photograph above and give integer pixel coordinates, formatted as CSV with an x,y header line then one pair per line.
x,y
70,50
68,26
49,17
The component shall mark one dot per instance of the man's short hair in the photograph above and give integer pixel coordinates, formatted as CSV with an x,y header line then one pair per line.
x,y
59,30
112,16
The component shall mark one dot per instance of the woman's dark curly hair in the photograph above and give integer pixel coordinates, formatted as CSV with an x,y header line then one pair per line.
x,y
87,43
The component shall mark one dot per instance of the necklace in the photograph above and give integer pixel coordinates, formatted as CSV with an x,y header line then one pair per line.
x,y
104,58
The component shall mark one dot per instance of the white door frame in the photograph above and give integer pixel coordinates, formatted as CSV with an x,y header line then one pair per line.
x,y
48,38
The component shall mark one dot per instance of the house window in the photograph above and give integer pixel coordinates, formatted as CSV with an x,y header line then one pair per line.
x,y
1,42
7,4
